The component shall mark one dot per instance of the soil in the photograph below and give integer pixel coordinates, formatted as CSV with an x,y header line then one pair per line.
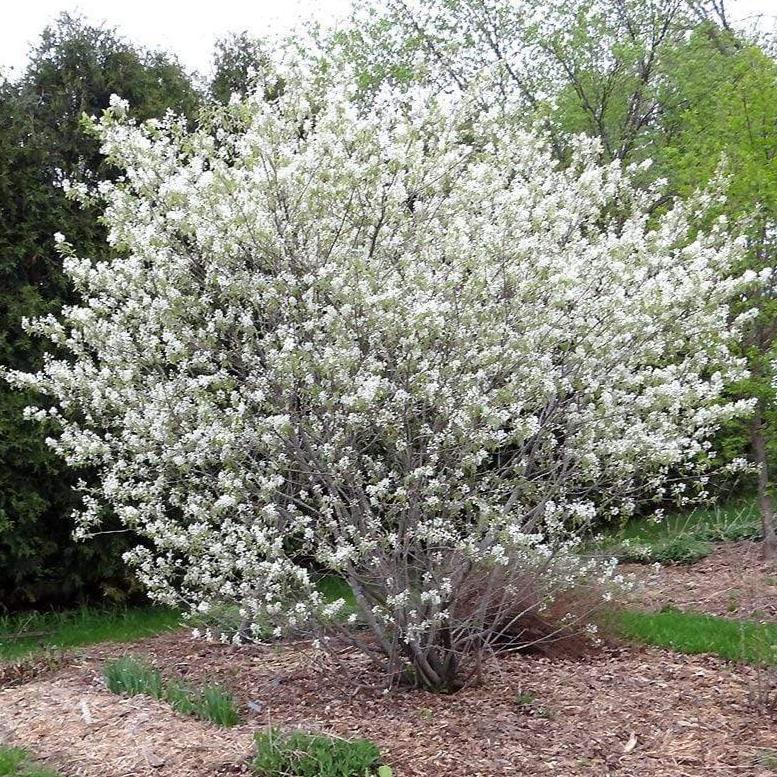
x,y
628,711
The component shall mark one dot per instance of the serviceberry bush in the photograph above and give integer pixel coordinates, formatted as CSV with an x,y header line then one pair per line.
x,y
402,345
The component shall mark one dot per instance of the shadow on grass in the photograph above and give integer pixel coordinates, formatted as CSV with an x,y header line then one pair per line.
x,y
27,633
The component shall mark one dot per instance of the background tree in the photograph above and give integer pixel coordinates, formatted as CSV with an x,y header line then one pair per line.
x,y
73,70
719,103
239,61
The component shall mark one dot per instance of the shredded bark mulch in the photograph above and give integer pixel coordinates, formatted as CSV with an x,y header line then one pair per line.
x,y
620,711
734,581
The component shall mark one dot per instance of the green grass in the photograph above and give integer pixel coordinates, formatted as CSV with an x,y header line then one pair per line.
x,y
27,633
686,632
738,519
683,538
130,676
15,762
334,587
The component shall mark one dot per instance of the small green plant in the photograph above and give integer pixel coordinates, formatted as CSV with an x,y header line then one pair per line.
x,y
528,704
15,762
180,698
677,549
302,754
682,538
218,706
767,759
682,549
130,676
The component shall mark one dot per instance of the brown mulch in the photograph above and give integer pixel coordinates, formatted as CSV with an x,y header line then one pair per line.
x,y
690,715
734,581
82,729
634,712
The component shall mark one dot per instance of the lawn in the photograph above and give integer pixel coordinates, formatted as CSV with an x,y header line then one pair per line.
x,y
687,632
26,633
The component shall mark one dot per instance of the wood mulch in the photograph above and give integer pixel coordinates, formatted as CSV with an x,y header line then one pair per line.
x,y
734,581
635,712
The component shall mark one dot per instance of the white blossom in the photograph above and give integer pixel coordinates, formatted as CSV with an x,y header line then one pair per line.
x,y
404,344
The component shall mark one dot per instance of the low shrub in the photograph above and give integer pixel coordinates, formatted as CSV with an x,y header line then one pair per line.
x,y
302,754
130,677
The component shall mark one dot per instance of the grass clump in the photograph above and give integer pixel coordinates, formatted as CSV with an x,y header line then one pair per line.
x,y
15,762
767,759
315,755
209,703
28,633
130,677
686,632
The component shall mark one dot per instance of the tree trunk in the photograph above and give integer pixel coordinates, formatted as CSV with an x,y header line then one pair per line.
x,y
765,503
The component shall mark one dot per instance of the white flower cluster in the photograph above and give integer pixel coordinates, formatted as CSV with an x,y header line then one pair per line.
x,y
398,345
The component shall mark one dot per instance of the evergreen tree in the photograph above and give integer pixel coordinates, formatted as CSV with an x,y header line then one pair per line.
x,y
72,71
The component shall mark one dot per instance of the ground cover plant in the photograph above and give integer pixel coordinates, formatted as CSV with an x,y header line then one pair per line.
x,y
412,351
131,676
23,634
15,762
315,755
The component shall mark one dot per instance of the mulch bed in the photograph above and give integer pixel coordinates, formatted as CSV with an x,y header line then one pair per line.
x,y
690,715
734,581
616,711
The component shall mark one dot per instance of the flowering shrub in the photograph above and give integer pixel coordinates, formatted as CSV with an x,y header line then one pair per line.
x,y
403,344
